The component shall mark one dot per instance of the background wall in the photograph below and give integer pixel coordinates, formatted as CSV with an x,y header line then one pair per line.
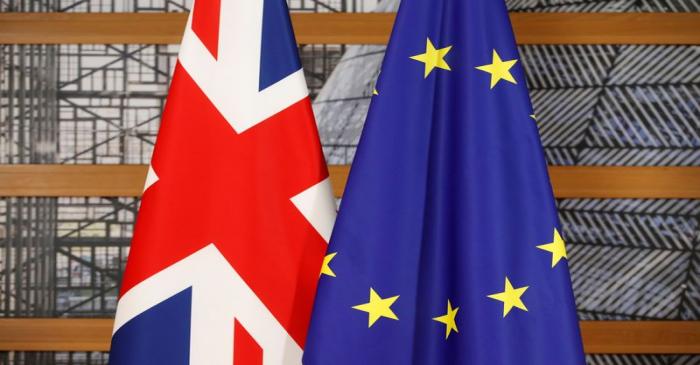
x,y
595,105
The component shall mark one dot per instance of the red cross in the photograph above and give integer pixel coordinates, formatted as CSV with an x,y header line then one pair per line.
x,y
205,23
234,190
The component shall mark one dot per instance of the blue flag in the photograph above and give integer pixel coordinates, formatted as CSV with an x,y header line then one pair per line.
x,y
447,248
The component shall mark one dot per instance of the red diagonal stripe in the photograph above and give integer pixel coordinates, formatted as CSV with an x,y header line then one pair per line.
x,y
233,190
205,23
245,350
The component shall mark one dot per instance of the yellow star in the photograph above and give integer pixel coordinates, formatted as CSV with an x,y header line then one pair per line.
x,y
374,90
533,116
449,319
557,247
433,58
510,297
326,268
377,307
499,70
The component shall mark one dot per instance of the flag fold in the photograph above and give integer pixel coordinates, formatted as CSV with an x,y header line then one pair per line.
x,y
447,248
237,208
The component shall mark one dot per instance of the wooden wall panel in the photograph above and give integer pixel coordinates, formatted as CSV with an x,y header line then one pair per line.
x,y
641,337
91,28
599,337
72,180
568,182
55,334
347,28
625,182
607,28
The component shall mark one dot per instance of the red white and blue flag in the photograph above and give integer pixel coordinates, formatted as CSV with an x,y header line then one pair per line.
x,y
237,209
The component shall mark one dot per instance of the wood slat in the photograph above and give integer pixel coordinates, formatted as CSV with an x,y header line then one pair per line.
x,y
641,337
72,180
348,28
599,337
568,182
607,28
55,334
625,182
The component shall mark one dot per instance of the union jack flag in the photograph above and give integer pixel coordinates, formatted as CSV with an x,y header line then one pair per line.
x,y
237,207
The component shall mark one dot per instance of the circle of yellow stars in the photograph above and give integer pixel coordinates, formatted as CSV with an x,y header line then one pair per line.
x,y
511,297
378,307
434,58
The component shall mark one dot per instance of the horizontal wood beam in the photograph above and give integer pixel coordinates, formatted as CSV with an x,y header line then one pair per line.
x,y
641,337
625,182
349,28
568,181
72,180
599,337
55,334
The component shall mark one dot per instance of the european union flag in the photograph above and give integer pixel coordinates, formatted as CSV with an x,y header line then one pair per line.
x,y
447,248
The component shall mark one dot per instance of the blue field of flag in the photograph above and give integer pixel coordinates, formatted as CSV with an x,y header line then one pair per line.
x,y
447,248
